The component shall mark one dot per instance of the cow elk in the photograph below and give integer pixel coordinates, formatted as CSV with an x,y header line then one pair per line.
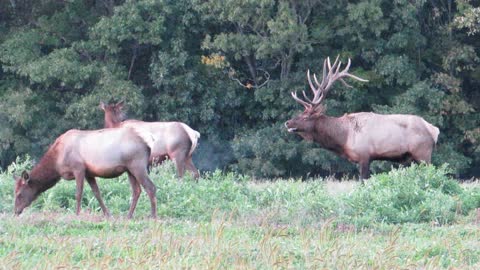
x,y
81,155
174,140
365,136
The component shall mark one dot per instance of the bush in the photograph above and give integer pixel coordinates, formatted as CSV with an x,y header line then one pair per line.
x,y
419,193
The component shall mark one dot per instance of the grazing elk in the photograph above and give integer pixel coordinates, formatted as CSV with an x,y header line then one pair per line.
x,y
174,140
364,136
79,154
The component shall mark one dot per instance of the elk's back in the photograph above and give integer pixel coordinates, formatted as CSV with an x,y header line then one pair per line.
x,y
101,151
389,135
169,136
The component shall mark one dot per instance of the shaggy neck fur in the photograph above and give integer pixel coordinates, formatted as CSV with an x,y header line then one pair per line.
x,y
331,133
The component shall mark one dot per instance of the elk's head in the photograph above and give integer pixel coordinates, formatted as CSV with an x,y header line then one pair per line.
x,y
25,194
113,113
305,122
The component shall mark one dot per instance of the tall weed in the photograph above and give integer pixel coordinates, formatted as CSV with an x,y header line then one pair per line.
x,y
419,193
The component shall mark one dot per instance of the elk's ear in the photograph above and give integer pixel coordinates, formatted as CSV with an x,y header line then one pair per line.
x,y
120,104
25,176
320,110
102,105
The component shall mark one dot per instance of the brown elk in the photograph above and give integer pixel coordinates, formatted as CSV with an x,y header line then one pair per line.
x,y
365,136
174,140
78,154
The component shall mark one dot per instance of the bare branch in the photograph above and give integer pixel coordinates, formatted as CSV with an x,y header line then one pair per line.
x,y
266,76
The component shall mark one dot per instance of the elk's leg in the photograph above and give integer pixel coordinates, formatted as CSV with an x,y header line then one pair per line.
x,y
192,168
180,164
96,191
142,177
79,178
422,155
364,170
136,190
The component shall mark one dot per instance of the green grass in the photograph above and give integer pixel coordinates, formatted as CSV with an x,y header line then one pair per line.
x,y
46,240
417,217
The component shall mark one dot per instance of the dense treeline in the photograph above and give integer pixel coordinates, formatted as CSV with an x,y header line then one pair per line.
x,y
226,68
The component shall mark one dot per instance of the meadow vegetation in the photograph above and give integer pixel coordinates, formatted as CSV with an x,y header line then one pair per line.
x,y
227,68
415,217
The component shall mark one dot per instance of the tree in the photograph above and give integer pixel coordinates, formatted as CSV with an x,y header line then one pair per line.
x,y
227,68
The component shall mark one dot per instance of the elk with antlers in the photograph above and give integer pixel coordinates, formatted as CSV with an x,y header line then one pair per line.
x,y
365,136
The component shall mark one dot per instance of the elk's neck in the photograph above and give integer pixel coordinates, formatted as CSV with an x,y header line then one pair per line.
x,y
331,133
45,175
111,121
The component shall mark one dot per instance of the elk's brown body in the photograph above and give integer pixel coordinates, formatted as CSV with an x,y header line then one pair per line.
x,y
365,136
79,154
174,140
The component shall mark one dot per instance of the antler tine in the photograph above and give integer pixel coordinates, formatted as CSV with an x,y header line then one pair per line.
x,y
338,67
331,73
345,72
321,85
348,64
324,70
345,83
304,103
305,96
316,81
316,91
334,75
327,79
355,77
310,81
330,67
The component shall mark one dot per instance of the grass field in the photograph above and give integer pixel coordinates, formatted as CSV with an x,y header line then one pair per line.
x,y
414,218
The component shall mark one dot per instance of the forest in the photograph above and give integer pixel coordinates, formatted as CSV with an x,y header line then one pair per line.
x,y
227,67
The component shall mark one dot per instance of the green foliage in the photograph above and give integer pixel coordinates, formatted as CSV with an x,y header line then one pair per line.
x,y
418,193
59,59
140,22
39,240
468,17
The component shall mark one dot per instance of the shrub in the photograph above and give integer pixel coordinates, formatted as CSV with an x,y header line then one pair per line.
x,y
419,193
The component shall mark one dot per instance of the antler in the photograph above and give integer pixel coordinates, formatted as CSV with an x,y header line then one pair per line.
x,y
329,77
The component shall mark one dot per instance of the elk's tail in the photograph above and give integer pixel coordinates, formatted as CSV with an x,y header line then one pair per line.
x,y
194,136
434,131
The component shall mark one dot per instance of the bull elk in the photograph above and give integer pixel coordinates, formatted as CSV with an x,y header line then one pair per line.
x,y
81,155
365,136
174,140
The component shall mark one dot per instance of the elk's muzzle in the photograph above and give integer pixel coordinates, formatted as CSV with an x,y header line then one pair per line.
x,y
289,128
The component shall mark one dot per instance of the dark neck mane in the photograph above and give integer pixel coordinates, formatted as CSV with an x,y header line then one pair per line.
x,y
45,175
331,133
